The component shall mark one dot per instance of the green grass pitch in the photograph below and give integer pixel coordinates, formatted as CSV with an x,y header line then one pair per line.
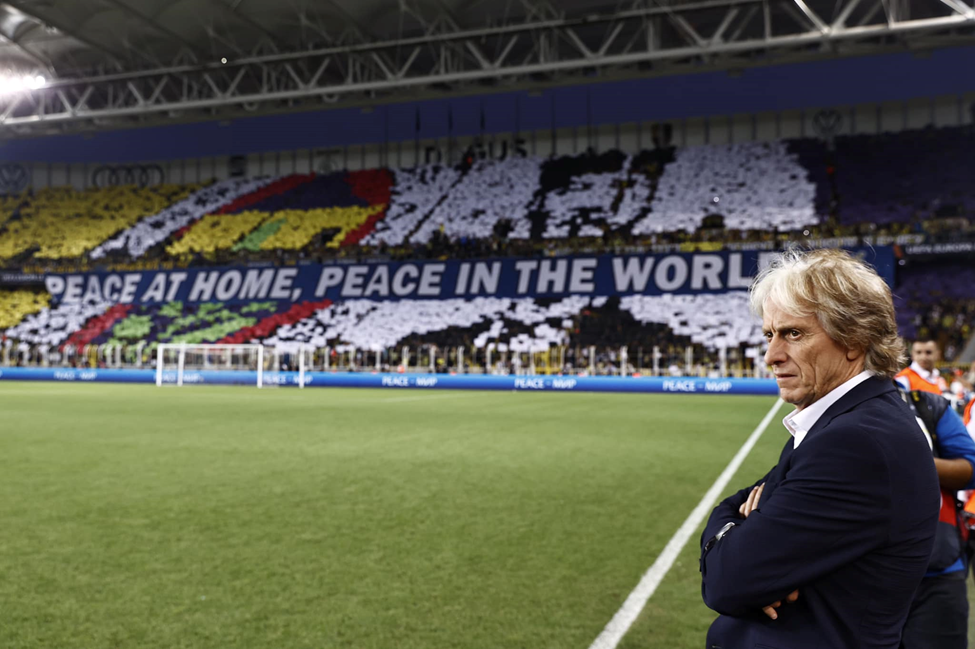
x,y
205,517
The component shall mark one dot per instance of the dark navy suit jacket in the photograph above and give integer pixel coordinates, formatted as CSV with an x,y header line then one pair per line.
x,y
848,518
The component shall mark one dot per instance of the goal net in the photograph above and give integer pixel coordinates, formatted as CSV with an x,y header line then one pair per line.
x,y
181,364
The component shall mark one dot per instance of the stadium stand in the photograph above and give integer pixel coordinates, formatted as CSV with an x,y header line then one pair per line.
x,y
765,192
585,194
18,304
416,192
714,321
906,176
754,186
156,227
63,223
519,205
53,325
489,192
937,301
520,325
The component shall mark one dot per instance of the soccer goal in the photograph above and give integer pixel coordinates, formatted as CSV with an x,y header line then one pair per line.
x,y
179,363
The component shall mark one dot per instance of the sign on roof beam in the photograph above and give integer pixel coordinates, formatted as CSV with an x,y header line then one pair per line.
x,y
813,18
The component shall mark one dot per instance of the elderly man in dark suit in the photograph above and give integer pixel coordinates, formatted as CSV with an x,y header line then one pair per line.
x,y
826,550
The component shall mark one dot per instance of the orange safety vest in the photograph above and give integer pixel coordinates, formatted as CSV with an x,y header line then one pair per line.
x,y
950,535
970,505
917,382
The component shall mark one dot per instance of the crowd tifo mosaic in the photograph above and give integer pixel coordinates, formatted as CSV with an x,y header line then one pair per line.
x,y
755,185
519,325
770,186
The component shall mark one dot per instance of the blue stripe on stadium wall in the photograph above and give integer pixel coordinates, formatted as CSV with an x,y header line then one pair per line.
x,y
405,381
808,85
683,273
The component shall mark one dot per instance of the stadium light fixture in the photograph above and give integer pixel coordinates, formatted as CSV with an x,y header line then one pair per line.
x,y
10,84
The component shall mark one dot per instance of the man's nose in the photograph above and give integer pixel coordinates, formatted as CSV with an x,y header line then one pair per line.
x,y
775,353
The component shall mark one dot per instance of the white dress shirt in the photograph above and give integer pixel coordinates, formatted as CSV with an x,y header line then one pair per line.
x,y
933,377
798,422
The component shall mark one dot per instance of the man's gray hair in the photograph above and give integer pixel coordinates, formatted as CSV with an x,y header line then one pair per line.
x,y
850,300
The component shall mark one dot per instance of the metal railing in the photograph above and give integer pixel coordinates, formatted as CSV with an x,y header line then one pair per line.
x,y
497,359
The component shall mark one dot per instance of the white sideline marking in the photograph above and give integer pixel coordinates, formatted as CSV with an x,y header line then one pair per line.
x,y
624,618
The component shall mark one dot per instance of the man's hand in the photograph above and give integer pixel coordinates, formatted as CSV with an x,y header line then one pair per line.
x,y
751,504
770,609
747,507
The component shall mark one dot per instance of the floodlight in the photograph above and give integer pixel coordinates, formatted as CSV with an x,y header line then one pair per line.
x,y
16,83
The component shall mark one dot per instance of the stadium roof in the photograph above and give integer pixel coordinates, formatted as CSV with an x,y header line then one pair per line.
x,y
81,64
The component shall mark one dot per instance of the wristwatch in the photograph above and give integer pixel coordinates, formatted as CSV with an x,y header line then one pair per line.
x,y
720,535
711,542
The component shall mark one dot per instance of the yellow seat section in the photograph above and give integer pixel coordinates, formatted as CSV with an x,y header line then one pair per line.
x,y
216,232
64,223
9,204
17,305
301,226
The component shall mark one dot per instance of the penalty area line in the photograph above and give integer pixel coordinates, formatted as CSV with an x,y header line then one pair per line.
x,y
626,616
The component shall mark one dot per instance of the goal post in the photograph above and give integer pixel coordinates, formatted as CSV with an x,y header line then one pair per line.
x,y
183,358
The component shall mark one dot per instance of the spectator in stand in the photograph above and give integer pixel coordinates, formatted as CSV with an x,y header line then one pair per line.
x,y
922,373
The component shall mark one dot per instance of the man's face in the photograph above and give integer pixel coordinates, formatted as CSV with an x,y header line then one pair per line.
x,y
925,354
806,362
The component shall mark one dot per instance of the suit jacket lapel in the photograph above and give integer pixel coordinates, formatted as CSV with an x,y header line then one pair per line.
x,y
866,390
872,387
785,462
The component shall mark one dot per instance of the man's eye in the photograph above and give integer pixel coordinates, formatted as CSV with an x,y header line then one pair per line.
x,y
794,333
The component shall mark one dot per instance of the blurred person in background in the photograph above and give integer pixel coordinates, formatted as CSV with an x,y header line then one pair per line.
x,y
922,373
938,618
967,417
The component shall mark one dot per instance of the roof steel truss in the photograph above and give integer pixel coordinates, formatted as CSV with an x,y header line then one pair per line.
x,y
539,45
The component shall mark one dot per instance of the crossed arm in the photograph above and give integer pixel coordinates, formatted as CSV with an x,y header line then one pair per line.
x,y
829,510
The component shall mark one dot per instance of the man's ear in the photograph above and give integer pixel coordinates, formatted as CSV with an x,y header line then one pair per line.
x,y
854,354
